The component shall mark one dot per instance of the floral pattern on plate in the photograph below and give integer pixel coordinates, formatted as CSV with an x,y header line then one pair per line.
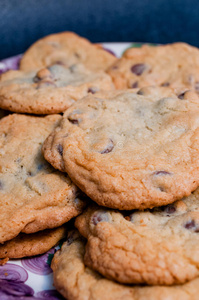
x,y
14,279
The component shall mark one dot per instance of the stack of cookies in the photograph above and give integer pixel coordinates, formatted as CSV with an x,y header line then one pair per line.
x,y
123,155
37,201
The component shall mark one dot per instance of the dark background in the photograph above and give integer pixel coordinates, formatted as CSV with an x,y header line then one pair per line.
x,y
156,21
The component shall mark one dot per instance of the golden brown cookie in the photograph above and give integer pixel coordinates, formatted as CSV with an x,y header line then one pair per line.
x,y
32,244
173,65
158,246
49,90
129,150
67,48
33,195
75,281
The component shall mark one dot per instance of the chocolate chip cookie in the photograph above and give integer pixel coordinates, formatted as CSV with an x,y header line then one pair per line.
x,y
174,65
67,48
158,246
129,150
32,244
49,90
76,281
33,195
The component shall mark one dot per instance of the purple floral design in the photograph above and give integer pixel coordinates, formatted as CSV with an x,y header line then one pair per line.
x,y
38,264
50,294
12,286
11,63
15,290
11,272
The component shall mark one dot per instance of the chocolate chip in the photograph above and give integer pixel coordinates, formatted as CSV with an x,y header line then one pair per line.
x,y
169,209
108,148
93,90
98,217
134,85
74,117
74,121
181,96
114,67
140,92
191,225
43,74
161,189
60,63
60,149
165,84
138,69
161,173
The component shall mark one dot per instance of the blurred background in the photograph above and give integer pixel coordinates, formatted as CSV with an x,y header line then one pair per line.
x,y
156,21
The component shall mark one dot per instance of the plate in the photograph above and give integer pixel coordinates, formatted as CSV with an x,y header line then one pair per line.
x,y
31,278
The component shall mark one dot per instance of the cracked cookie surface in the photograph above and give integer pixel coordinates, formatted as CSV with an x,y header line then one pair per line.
x,y
49,90
37,243
158,246
75,281
67,48
130,150
33,195
173,65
